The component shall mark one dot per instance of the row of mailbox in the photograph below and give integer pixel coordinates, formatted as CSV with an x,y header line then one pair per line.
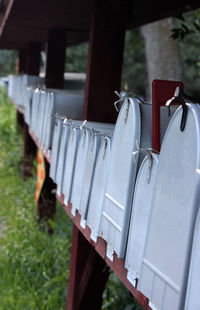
x,y
145,207
42,105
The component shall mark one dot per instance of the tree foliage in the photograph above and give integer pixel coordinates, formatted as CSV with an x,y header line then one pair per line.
x,y
8,59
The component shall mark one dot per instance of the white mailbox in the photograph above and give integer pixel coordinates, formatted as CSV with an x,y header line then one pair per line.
x,y
193,286
88,175
121,179
98,188
142,202
175,203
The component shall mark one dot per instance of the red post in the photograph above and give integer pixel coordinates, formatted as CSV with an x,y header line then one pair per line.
x,y
33,58
22,61
104,61
55,53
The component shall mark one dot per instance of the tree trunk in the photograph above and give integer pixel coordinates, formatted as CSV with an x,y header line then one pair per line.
x,y
162,52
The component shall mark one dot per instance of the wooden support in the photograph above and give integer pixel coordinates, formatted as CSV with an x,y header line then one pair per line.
x,y
29,154
20,69
22,61
104,60
33,58
88,275
55,63
46,206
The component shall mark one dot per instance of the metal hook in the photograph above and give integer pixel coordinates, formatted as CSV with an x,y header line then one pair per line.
x,y
124,96
184,107
180,93
149,152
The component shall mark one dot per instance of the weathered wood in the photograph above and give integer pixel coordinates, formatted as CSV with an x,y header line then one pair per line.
x,y
104,60
55,63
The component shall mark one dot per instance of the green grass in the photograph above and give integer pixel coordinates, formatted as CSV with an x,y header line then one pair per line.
x,y
34,267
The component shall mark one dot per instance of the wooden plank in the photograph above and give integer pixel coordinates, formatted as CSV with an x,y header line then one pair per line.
x,y
55,65
104,61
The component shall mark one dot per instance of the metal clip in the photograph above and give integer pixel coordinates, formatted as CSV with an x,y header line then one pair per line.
x,y
149,152
184,107
83,124
123,96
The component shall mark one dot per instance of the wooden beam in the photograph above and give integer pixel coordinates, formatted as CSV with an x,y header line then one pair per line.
x,y
55,63
104,60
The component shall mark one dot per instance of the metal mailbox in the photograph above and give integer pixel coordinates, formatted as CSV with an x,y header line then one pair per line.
x,y
142,202
121,179
29,81
70,160
133,131
28,98
88,175
69,104
35,109
62,154
79,169
193,286
175,203
55,148
98,188
82,153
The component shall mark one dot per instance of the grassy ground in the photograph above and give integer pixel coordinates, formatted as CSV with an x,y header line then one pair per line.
x,y
34,267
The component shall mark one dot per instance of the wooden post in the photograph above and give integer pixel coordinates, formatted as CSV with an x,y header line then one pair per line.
x,y
55,63
104,60
20,69
29,63
29,154
33,58
22,61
